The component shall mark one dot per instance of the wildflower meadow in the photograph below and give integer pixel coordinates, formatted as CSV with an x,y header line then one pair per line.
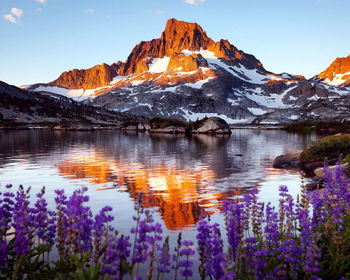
x,y
303,238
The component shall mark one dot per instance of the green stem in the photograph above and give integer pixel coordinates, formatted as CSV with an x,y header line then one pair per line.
x,y
18,265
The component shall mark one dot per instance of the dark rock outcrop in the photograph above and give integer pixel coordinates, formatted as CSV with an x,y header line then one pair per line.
x,y
290,160
21,108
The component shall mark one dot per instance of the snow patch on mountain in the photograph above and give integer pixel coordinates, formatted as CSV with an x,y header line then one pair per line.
x,y
248,75
273,100
256,111
191,116
137,82
159,65
199,84
233,102
337,79
76,94
205,53
117,79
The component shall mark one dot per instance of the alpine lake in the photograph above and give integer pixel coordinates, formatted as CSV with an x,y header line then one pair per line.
x,y
178,178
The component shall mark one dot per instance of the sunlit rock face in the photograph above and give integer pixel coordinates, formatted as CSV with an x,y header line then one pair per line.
x,y
338,73
183,37
185,74
94,77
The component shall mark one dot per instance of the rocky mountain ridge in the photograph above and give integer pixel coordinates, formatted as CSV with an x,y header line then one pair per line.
x,y
185,74
21,108
338,73
94,77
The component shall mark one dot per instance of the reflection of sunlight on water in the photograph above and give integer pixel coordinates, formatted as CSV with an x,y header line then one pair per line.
x,y
180,195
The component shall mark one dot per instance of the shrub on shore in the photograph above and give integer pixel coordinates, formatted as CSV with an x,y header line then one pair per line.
x,y
300,239
332,126
330,147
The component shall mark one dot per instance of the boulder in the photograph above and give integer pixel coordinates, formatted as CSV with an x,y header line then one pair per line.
x,y
290,160
143,127
319,171
213,126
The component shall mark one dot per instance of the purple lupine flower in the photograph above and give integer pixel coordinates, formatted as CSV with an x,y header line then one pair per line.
x,y
101,231
257,210
311,261
228,275
203,237
22,222
308,240
260,263
144,240
118,250
283,193
271,228
288,250
62,223
319,211
6,211
185,263
79,219
250,249
247,202
235,221
164,259
210,247
101,221
6,215
256,259
289,254
43,220
217,252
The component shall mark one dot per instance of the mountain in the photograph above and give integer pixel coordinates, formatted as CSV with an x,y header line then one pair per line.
x,y
20,107
337,74
185,74
94,77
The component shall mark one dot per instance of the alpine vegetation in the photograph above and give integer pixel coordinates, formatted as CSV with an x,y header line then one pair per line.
x,y
306,238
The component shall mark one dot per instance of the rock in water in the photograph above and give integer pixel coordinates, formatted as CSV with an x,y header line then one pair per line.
x,y
291,160
214,126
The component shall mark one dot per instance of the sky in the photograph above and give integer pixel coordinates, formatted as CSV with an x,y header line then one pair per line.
x,y
40,39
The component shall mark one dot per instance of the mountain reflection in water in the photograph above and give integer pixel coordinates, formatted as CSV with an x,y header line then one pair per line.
x,y
181,178
180,195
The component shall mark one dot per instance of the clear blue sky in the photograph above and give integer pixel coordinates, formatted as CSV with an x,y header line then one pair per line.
x,y
299,37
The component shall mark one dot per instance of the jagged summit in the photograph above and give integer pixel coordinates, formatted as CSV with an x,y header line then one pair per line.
x,y
182,47
181,35
338,73
180,39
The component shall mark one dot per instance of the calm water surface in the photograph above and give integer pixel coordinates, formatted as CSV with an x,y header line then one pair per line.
x,y
180,178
